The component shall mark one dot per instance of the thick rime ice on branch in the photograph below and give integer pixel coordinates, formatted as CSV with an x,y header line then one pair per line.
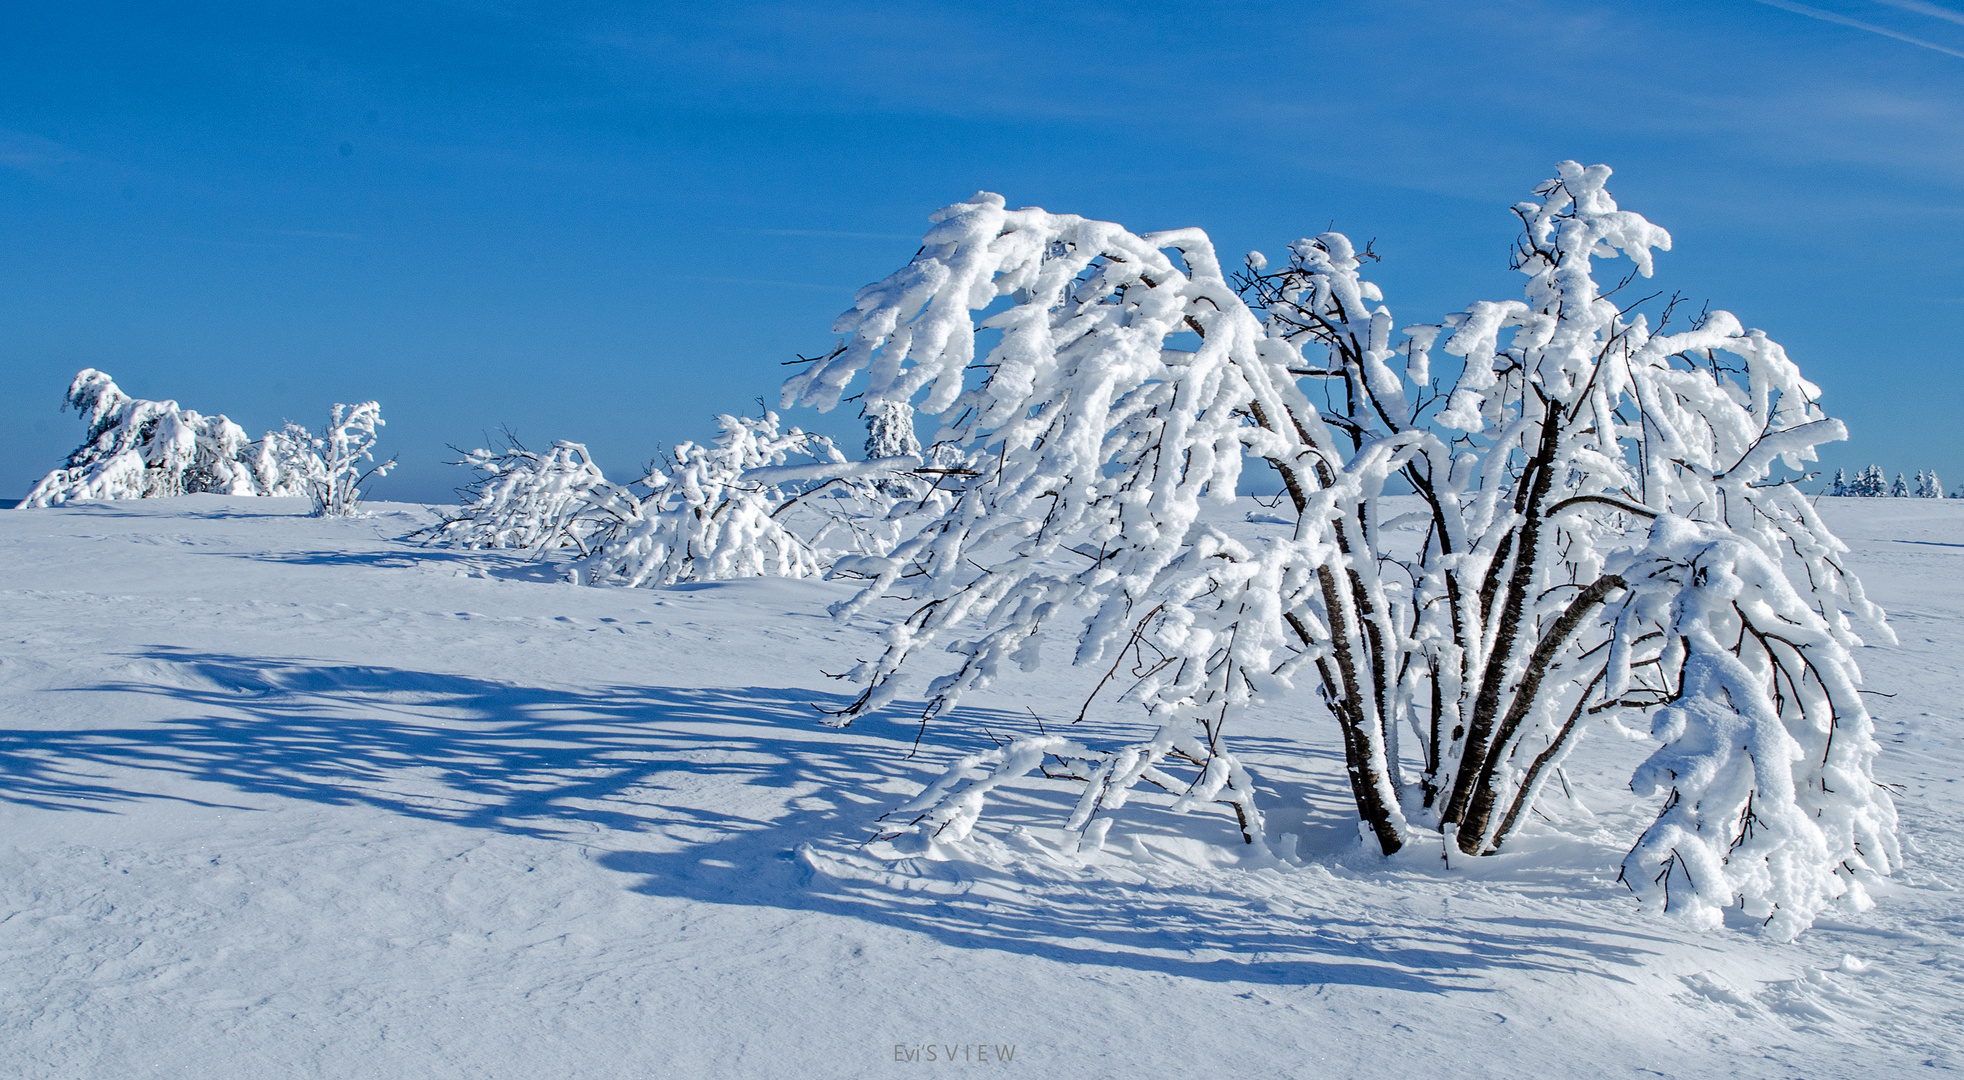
x,y
138,449
1605,523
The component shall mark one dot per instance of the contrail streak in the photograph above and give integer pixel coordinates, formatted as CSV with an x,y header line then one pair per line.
x,y
1843,20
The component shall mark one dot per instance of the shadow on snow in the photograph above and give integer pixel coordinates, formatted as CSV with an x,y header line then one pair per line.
x,y
555,763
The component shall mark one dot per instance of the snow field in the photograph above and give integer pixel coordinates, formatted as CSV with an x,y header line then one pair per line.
x,y
291,796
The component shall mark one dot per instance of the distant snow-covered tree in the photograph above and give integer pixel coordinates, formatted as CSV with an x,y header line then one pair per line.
x,y
140,449
1840,485
1599,527
1870,483
890,434
1900,489
719,510
539,501
344,453
1928,486
292,455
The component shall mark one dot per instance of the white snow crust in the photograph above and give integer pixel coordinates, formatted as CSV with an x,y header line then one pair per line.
x,y
283,795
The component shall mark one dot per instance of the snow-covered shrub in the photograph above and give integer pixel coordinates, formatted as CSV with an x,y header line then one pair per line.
x,y
346,449
719,511
288,461
140,449
1604,523
536,501
327,469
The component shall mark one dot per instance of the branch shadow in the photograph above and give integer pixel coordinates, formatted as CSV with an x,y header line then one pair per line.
x,y
543,568
709,795
199,506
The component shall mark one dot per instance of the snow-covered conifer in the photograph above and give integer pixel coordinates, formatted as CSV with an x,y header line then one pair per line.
x,y
1900,489
1870,483
1600,527
890,434
139,449
1840,485
1927,484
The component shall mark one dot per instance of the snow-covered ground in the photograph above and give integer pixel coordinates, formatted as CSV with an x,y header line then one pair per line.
x,y
283,796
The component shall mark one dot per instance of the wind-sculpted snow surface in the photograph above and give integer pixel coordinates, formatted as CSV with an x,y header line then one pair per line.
x,y
1606,524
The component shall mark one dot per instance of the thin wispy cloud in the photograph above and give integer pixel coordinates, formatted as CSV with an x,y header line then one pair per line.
x,y
1924,7
831,234
1843,20
314,234
21,150
765,283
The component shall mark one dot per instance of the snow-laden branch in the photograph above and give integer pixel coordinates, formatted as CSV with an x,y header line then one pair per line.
x,y
1576,444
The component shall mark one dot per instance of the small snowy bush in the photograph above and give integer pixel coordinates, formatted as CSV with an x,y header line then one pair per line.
x,y
1605,523
720,511
140,449
536,501
345,448
328,469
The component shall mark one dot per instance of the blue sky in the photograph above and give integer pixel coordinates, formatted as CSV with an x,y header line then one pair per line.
x,y
609,222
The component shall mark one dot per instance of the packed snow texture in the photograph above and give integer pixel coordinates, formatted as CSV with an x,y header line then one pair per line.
x,y
288,795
